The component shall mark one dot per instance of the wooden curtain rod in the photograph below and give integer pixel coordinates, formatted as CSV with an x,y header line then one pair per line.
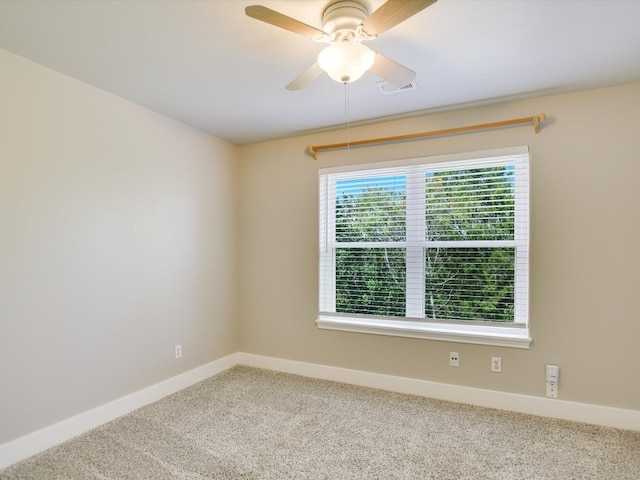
x,y
535,121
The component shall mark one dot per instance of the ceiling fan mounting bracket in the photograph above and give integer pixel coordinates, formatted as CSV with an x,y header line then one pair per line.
x,y
342,17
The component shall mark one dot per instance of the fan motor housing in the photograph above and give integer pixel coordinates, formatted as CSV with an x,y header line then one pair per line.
x,y
343,15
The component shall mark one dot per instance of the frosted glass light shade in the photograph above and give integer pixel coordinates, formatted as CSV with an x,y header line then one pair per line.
x,y
346,62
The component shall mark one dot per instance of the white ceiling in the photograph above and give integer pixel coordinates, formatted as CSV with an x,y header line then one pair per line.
x,y
208,65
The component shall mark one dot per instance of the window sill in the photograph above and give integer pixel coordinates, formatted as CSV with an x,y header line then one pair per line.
x,y
478,334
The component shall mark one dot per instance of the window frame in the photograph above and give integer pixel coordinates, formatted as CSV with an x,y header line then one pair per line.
x,y
414,324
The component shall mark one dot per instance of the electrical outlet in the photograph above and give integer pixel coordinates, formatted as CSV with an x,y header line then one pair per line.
x,y
178,351
496,364
454,359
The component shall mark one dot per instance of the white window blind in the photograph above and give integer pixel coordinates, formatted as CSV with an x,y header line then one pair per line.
x,y
427,244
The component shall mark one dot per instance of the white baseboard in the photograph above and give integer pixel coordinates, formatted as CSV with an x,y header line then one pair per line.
x,y
546,407
40,440
48,437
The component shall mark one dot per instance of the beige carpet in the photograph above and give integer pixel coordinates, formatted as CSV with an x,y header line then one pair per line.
x,y
248,423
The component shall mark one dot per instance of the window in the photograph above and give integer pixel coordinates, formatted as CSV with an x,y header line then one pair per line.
x,y
432,248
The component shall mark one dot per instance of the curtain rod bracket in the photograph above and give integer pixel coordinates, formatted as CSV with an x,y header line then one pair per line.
x,y
536,120
311,150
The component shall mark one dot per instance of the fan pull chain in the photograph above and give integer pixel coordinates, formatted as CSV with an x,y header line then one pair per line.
x,y
346,112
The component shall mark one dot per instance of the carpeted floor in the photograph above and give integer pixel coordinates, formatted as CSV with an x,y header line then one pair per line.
x,y
248,423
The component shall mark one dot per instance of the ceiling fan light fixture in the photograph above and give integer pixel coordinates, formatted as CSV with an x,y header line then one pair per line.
x,y
346,62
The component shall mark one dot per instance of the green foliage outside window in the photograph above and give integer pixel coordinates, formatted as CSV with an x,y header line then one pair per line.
x,y
371,280
470,283
465,283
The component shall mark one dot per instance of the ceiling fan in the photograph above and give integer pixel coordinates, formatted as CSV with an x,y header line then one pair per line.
x,y
345,25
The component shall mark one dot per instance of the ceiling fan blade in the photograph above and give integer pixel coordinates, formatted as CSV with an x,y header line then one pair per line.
x,y
267,15
391,13
392,72
305,78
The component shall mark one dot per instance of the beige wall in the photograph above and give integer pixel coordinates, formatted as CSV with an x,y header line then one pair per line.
x,y
585,259
117,242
